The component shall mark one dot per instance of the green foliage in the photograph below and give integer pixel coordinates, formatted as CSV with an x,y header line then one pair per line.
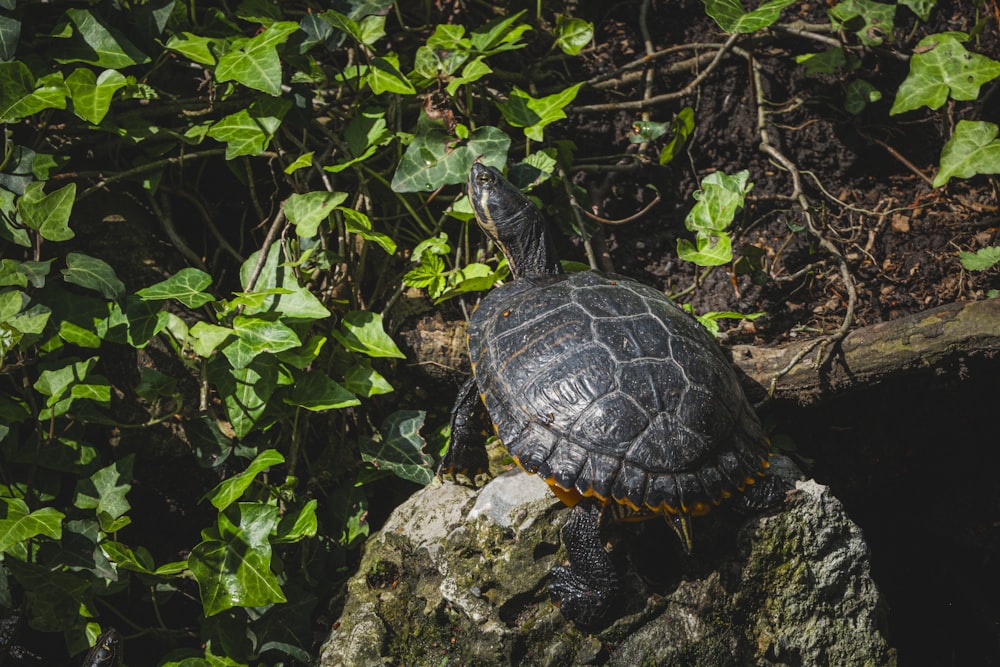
x,y
941,67
271,351
732,18
973,149
721,196
984,258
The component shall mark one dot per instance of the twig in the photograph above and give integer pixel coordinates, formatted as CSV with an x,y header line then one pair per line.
x,y
666,97
166,221
829,342
622,221
906,163
135,171
265,248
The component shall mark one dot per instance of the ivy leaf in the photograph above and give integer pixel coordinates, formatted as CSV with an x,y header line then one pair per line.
x,y
21,525
246,391
186,286
984,258
358,223
384,76
361,331
718,201
871,21
921,8
254,61
207,338
230,490
94,274
732,18
681,128
194,47
307,211
22,96
435,158
298,524
939,66
315,391
233,567
86,38
248,132
363,380
92,94
48,214
572,35
973,149
105,490
398,447
10,35
257,336
533,114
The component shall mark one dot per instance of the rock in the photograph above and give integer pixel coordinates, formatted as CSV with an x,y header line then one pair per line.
x,y
461,575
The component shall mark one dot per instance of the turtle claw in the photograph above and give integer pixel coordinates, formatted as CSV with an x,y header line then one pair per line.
x,y
577,599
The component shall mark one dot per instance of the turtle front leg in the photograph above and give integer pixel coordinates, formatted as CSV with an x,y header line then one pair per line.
x,y
466,453
585,589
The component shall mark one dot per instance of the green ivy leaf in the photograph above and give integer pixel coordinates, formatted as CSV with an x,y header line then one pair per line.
x,y
399,447
246,391
86,38
48,214
435,158
249,131
278,290
824,62
21,525
207,338
186,286
230,490
940,65
315,391
732,18
92,94
499,35
384,76
94,274
254,61
860,94
681,128
363,380
105,490
233,568
474,70
258,336
361,331
194,47
298,524
721,196
973,149
984,258
21,96
871,21
572,35
533,114
358,223
10,35
307,211
56,383
921,8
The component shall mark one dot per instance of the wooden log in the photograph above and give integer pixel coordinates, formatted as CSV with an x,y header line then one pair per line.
x,y
932,340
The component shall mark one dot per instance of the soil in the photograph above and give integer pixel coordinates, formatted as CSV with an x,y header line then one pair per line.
x,y
915,463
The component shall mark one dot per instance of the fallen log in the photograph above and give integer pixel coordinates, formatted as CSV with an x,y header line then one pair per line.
x,y
936,339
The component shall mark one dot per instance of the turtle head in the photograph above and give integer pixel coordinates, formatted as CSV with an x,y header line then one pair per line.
x,y
512,221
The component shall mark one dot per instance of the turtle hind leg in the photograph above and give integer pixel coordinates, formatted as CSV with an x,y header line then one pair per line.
x,y
768,491
586,588
466,453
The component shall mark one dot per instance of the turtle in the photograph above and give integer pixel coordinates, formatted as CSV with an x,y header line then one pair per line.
x,y
603,387
106,651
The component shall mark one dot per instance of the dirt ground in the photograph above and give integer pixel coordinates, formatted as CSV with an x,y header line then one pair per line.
x,y
914,461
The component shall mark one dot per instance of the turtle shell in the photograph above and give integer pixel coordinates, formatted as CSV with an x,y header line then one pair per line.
x,y
605,388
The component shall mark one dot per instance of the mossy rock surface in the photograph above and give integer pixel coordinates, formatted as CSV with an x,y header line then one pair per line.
x,y
458,577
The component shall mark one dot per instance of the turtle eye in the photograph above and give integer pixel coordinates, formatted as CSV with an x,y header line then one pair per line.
x,y
483,178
